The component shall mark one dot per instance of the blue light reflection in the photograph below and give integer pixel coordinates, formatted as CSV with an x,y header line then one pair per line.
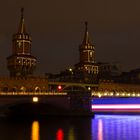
x,y
116,127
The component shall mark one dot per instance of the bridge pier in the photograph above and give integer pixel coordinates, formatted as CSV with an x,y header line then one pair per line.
x,y
80,103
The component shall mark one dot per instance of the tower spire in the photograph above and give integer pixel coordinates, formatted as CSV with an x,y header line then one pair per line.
x,y
22,29
86,39
86,25
22,12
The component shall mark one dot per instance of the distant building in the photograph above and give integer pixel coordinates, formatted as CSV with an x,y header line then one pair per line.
x,y
109,71
130,77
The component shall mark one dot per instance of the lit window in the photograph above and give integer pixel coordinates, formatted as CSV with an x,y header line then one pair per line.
x,y
90,54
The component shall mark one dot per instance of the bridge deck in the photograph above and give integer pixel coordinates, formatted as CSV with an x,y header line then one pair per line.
x,y
34,93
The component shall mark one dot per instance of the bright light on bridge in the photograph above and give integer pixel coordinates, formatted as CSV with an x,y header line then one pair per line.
x,y
59,87
35,99
89,88
115,94
123,108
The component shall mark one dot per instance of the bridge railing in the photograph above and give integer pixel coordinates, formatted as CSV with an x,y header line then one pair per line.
x,y
34,93
115,94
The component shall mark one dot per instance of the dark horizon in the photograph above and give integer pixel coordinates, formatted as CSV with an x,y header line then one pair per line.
x,y
57,29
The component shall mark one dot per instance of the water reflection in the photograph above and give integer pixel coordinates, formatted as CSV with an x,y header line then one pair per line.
x,y
100,129
62,129
71,134
53,129
115,127
35,131
59,134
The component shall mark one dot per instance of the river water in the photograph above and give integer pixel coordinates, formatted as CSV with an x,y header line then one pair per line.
x,y
101,127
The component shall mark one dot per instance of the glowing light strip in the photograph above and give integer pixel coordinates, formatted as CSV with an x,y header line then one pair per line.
x,y
33,93
116,106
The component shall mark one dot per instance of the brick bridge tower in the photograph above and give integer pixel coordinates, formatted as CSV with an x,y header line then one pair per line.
x,y
87,55
21,63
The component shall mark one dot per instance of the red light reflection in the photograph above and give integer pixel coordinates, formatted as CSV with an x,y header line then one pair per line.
x,y
60,134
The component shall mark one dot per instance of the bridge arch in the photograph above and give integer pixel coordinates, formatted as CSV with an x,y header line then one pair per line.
x,y
14,89
5,89
24,106
23,89
37,89
74,88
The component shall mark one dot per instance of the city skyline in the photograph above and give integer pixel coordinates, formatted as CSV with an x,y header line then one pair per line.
x,y
56,35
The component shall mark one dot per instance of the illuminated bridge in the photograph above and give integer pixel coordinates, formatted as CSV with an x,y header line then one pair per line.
x,y
115,94
45,103
116,98
117,90
58,98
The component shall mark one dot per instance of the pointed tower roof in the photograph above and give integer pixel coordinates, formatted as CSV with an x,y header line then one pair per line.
x,y
86,39
22,28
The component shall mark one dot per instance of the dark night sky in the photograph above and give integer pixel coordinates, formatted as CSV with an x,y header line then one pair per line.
x,y
57,30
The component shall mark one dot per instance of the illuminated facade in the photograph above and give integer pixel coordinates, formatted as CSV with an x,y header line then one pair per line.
x,y
87,55
21,63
